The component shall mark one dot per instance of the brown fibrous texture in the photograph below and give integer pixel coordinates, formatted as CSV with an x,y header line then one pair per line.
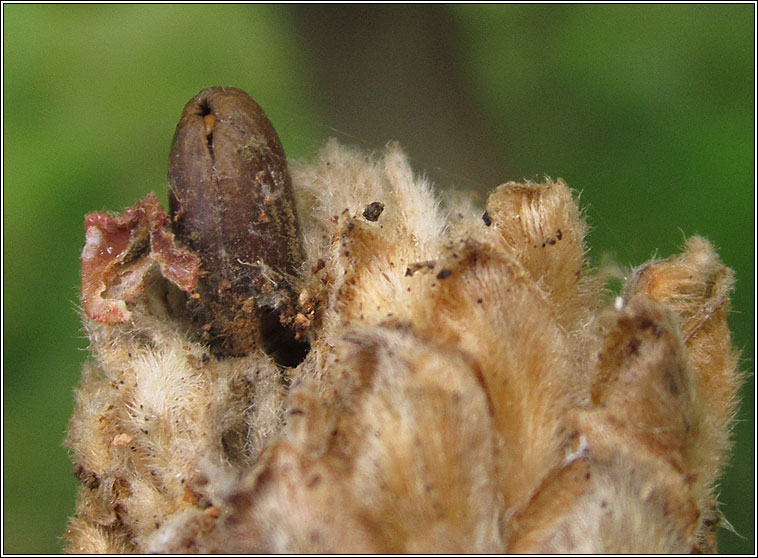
x,y
470,386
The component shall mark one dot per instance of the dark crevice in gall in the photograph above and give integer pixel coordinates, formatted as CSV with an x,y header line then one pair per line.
x,y
233,440
210,145
279,341
205,111
373,211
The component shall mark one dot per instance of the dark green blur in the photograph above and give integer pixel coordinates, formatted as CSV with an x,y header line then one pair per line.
x,y
647,110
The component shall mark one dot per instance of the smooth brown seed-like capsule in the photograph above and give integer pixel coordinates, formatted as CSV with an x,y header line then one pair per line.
x,y
231,202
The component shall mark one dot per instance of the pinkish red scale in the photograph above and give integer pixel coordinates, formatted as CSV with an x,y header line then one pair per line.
x,y
110,277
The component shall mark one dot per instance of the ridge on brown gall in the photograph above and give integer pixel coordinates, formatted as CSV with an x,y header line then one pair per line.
x,y
389,375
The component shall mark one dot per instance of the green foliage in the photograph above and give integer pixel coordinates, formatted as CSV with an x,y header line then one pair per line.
x,y
648,110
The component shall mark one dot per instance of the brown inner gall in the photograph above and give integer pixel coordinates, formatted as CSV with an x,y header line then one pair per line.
x,y
231,202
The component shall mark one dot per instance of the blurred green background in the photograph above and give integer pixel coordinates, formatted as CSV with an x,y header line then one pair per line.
x,y
648,110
